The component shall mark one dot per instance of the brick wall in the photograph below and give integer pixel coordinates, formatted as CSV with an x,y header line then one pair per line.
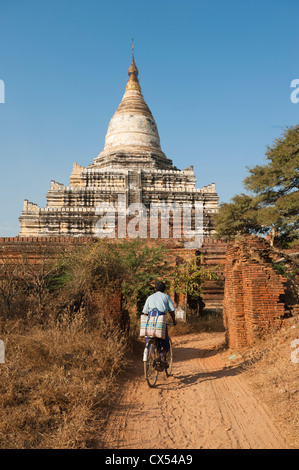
x,y
34,248
37,247
253,293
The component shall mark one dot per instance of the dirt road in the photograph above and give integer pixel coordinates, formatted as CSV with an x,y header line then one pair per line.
x,y
202,405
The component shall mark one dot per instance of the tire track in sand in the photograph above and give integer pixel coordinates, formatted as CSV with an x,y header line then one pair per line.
x,y
202,405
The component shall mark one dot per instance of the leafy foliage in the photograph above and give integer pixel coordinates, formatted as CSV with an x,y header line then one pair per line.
x,y
143,265
190,278
236,217
285,271
273,205
133,264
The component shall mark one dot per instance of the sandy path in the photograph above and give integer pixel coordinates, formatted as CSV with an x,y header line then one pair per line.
x,y
203,405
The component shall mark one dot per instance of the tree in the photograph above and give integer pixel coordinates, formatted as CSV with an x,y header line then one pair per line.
x,y
10,285
143,264
101,264
37,277
24,283
190,278
237,217
273,205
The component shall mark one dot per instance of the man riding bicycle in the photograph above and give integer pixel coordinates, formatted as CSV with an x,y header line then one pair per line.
x,y
163,303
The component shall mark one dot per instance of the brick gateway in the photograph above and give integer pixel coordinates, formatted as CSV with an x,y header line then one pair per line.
x,y
253,296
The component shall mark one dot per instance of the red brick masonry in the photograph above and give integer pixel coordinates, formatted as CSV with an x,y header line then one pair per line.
x,y
253,296
36,247
253,293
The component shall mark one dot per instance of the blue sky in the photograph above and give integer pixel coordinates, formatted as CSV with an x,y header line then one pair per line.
x,y
215,74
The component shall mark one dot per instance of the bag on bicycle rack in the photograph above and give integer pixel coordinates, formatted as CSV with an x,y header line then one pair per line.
x,y
153,324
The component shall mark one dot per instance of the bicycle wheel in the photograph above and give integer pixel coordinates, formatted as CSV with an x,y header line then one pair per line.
x,y
150,372
169,359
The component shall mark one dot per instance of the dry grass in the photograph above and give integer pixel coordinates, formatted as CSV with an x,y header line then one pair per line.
x,y
275,377
208,323
56,381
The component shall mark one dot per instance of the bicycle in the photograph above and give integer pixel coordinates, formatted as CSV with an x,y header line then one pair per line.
x,y
152,361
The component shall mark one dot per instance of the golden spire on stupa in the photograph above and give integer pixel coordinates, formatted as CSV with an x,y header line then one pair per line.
x,y
132,130
133,83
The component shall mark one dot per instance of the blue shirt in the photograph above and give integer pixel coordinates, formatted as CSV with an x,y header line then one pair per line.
x,y
160,301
